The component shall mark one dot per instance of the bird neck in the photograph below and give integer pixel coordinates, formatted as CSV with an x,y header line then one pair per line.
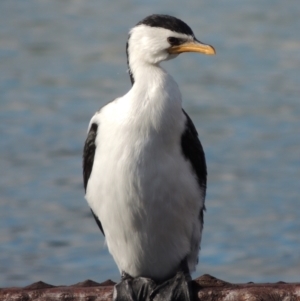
x,y
151,81
138,69
154,97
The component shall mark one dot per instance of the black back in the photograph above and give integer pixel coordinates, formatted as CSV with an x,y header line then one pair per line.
x,y
193,151
89,154
88,162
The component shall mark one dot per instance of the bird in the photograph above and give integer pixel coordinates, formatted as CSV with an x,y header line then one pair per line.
x,y
144,168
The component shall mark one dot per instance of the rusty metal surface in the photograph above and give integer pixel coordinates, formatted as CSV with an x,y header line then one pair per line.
x,y
211,288
206,287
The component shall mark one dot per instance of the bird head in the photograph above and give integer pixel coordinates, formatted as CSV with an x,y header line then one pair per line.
x,y
161,37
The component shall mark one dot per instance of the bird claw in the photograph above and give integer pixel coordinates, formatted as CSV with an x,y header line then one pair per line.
x,y
177,288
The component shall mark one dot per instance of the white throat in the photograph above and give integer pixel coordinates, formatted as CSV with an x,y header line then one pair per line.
x,y
155,96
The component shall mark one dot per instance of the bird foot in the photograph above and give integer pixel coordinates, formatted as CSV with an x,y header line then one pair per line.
x,y
177,288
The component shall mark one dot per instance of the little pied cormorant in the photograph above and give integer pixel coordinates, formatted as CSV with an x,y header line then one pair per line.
x,y
144,168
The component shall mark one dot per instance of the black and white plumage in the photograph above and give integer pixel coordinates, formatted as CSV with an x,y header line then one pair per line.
x,y
143,165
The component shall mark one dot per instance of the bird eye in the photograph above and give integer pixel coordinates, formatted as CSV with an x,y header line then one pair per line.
x,y
174,41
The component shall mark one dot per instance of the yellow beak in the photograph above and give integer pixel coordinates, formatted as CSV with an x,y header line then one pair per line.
x,y
192,47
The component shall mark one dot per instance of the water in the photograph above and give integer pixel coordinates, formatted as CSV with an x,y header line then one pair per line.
x,y
61,60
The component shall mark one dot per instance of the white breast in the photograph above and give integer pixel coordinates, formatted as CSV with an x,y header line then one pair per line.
x,y
141,187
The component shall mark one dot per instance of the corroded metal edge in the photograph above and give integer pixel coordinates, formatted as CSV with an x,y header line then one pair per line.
x,y
206,287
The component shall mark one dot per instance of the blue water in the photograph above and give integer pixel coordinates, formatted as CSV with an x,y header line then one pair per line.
x,y
61,60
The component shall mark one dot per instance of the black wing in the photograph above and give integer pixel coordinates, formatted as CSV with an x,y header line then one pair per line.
x,y
88,161
193,151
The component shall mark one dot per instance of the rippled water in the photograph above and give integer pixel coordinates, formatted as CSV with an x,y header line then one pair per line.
x,y
61,60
